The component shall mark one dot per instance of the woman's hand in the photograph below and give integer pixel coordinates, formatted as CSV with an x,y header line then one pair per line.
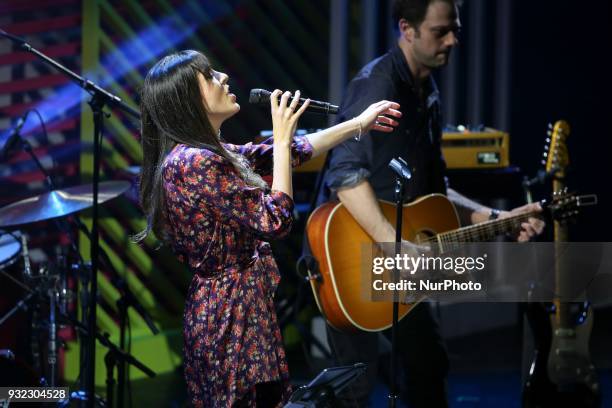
x,y
373,118
285,117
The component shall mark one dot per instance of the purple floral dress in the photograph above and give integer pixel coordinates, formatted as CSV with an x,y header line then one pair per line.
x,y
219,226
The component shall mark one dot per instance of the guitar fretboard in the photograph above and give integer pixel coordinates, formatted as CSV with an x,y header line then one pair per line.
x,y
483,232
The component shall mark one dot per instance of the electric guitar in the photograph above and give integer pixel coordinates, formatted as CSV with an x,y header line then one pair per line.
x,y
561,372
336,241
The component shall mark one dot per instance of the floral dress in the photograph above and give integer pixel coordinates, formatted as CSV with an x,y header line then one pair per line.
x,y
219,226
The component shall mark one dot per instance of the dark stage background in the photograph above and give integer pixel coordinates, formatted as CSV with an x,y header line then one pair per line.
x,y
520,65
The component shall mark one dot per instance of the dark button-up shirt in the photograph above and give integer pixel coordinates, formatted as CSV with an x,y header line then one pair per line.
x,y
416,139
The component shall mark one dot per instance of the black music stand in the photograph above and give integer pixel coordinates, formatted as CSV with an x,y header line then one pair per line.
x,y
321,392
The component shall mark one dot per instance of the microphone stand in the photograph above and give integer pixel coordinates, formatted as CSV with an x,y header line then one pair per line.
x,y
400,167
100,98
541,177
113,356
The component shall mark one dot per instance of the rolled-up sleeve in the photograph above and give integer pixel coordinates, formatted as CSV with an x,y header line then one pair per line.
x,y
349,165
351,161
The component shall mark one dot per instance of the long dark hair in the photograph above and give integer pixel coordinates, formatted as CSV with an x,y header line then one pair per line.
x,y
172,112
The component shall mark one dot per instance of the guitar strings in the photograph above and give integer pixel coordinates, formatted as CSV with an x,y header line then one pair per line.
x,y
478,231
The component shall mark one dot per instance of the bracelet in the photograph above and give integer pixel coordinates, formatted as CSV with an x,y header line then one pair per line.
x,y
358,137
494,214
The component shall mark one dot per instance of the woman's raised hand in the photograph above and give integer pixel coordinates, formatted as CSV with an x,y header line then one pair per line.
x,y
285,117
377,117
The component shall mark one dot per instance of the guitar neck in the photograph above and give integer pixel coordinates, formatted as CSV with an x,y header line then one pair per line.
x,y
561,235
482,232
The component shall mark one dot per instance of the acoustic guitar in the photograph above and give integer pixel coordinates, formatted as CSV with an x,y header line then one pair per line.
x,y
336,241
561,373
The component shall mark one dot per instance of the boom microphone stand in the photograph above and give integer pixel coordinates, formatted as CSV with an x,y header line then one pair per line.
x,y
100,98
400,167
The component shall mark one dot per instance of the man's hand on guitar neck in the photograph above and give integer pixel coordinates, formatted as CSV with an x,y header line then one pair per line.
x,y
532,227
471,212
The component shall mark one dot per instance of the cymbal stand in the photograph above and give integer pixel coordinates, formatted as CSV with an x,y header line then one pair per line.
x,y
99,99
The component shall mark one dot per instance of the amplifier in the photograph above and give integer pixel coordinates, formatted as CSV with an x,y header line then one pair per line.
x,y
486,148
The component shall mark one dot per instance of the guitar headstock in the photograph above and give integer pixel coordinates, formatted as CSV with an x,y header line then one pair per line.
x,y
556,157
565,205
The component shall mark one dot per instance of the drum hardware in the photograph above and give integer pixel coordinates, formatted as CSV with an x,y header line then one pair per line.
x,y
100,98
15,372
27,268
10,248
42,285
46,206
52,352
49,286
64,294
22,304
15,280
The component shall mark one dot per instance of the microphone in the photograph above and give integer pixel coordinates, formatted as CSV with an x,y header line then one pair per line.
x,y
400,167
9,139
261,97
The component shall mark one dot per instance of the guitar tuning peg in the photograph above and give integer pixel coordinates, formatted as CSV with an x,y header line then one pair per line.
x,y
547,141
545,154
549,133
550,126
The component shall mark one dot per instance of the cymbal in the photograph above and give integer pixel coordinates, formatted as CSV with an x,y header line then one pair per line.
x,y
58,203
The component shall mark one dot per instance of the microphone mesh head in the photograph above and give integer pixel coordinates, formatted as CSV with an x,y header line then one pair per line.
x,y
259,96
